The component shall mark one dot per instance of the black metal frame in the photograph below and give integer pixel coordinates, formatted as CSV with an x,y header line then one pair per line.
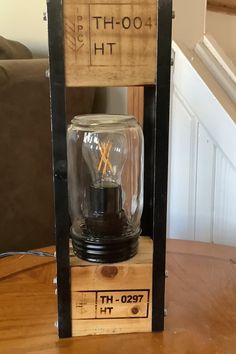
x,y
156,136
161,163
58,116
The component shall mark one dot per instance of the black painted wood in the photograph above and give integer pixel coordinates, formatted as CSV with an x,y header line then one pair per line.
x,y
149,158
161,147
58,116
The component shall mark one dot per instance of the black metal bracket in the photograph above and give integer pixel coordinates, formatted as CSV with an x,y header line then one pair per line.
x,y
161,162
156,140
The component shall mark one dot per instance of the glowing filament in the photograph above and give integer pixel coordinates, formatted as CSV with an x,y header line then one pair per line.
x,y
105,150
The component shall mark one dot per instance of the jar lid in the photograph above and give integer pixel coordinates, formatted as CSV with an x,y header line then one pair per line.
x,y
104,120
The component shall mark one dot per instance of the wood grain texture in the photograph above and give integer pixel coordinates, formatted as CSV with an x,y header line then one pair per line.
x,y
110,43
91,284
136,103
17,264
228,6
200,297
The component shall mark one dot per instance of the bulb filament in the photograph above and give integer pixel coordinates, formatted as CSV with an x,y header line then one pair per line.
x,y
105,164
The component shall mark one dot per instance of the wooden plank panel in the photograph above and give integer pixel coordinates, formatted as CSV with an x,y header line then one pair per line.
x,y
128,276
224,227
94,327
182,170
110,304
110,43
113,298
205,186
228,6
136,103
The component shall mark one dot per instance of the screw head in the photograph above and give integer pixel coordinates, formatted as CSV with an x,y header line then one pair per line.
x,y
47,73
45,16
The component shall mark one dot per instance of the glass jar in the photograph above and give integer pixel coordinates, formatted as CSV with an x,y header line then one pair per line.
x,y
105,185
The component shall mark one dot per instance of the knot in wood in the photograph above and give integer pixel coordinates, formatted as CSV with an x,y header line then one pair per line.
x,y
109,271
135,310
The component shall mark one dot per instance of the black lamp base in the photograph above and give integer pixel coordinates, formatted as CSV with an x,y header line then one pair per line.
x,y
106,249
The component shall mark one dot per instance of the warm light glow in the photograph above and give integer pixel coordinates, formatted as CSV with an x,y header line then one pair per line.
x,y
105,150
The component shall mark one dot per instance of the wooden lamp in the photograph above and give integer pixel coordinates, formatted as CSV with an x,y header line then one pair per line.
x,y
110,43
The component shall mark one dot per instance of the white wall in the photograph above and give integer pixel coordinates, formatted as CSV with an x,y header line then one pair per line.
x,y
189,22
22,20
223,28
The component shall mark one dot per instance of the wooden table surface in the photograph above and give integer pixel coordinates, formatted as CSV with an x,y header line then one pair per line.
x,y
200,298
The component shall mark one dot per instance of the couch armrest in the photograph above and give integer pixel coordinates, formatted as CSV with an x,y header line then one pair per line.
x,y
25,148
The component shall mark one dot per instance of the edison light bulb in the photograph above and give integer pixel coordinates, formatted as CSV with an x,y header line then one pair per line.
x,y
105,154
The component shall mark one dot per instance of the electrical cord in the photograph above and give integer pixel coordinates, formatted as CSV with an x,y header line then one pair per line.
x,y
27,253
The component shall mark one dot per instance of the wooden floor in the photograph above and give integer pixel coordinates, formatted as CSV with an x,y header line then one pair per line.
x,y
228,6
200,298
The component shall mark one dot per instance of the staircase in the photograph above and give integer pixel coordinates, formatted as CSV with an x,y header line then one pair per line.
x,y
202,166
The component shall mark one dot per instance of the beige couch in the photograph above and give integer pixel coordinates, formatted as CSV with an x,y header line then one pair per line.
x,y
26,191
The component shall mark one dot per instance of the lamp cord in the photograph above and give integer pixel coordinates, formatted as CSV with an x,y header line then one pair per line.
x,y
27,253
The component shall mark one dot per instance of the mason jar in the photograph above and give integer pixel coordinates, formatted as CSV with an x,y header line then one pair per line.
x,y
105,186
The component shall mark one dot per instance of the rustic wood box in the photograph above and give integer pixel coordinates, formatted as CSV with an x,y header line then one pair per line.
x,y
112,298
